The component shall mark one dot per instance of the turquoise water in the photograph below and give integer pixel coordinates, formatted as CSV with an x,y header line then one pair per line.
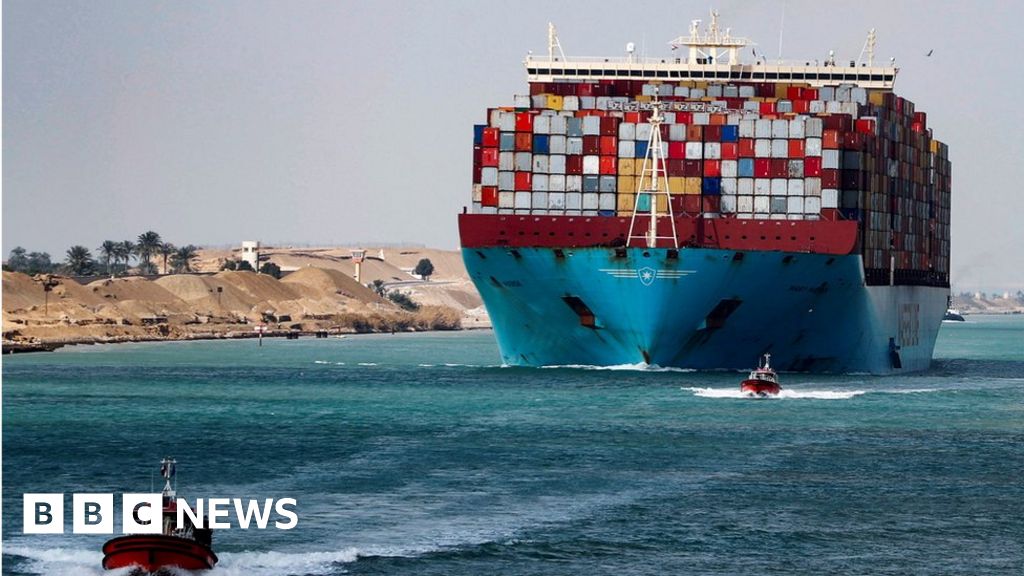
x,y
417,454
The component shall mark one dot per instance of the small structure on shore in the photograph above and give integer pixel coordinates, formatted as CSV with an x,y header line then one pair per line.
x,y
251,253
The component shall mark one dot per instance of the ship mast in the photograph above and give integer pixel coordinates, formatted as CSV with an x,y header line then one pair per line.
x,y
653,184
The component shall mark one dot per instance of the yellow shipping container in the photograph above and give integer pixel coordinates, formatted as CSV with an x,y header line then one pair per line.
x,y
781,90
555,102
625,203
662,204
676,184
935,146
642,98
876,98
627,167
627,184
687,83
691,185
699,84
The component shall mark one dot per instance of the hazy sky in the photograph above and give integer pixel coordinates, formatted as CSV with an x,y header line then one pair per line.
x,y
339,121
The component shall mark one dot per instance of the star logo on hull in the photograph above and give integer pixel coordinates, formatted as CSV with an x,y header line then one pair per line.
x,y
647,275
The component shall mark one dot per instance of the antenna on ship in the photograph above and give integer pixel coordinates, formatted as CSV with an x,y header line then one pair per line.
x,y
869,48
553,43
711,46
168,470
652,185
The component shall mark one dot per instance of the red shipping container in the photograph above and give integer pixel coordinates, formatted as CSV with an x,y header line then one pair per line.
x,y
794,93
489,195
718,119
840,122
491,136
779,167
730,151
810,93
830,140
524,122
812,166
684,118
574,164
830,214
712,168
746,147
762,168
767,107
796,148
853,141
802,106
608,165
477,171
524,181
676,201
692,168
478,155
713,133
712,203
633,117
609,126
591,145
675,167
524,142
865,125
609,145
677,149
829,178
489,157
694,133
691,203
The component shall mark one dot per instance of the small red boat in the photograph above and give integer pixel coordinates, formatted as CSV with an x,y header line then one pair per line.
x,y
187,548
763,381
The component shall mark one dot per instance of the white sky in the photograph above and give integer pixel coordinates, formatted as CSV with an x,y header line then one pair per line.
x,y
337,122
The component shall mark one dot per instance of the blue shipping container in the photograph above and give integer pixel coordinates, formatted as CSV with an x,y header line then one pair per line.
x,y
540,143
478,133
711,186
730,133
746,168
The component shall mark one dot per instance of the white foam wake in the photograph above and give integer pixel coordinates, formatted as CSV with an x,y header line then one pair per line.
x,y
638,367
784,394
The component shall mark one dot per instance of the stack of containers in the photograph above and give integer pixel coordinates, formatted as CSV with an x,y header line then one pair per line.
x,y
747,150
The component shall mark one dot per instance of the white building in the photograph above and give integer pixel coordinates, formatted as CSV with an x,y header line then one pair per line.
x,y
251,253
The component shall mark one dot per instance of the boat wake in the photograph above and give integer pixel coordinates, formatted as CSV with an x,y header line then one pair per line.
x,y
783,395
638,367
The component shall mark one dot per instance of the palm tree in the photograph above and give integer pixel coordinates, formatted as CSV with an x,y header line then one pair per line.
x,y
182,259
79,261
166,249
127,249
148,244
109,252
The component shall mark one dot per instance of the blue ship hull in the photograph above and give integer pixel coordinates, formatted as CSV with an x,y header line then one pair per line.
x,y
705,309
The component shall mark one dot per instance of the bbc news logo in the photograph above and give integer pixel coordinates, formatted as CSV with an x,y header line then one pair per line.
x,y
143,513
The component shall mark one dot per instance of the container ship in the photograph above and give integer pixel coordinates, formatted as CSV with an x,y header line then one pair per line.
x,y
697,211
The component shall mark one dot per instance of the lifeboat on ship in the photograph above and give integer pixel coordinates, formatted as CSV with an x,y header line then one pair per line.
x,y
762,381
185,548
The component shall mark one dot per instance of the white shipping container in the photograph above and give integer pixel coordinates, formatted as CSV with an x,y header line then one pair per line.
x,y
728,204
524,161
778,205
506,161
700,118
812,147
795,205
681,91
540,164
591,164
573,201
843,92
829,198
762,186
523,101
591,125
713,150
762,204
747,129
540,182
729,185
780,148
590,200
627,148
539,201
670,117
643,132
830,159
677,133
762,128
606,202
780,129
812,205
649,89
745,187
827,93
627,131
816,106
834,107
784,106
587,102
780,187
715,90
556,200
489,176
571,103
603,102
507,122
506,199
813,127
574,183
796,128
761,216
488,210
794,216
745,204
762,148
558,124
477,193
747,92
506,181
795,187
542,124
574,146
749,106
556,145
731,91
556,183
556,165
812,186
729,168
696,93
859,95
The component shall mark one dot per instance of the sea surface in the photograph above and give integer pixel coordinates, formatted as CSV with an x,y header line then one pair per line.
x,y
419,454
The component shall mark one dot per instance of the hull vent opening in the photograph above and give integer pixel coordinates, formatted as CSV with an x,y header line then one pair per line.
x,y
582,310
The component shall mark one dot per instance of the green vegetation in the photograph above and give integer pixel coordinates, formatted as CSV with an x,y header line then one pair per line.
x,y
270,268
424,269
183,258
79,261
403,300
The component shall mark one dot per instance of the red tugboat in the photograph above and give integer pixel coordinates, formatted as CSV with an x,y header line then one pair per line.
x,y
187,548
763,381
